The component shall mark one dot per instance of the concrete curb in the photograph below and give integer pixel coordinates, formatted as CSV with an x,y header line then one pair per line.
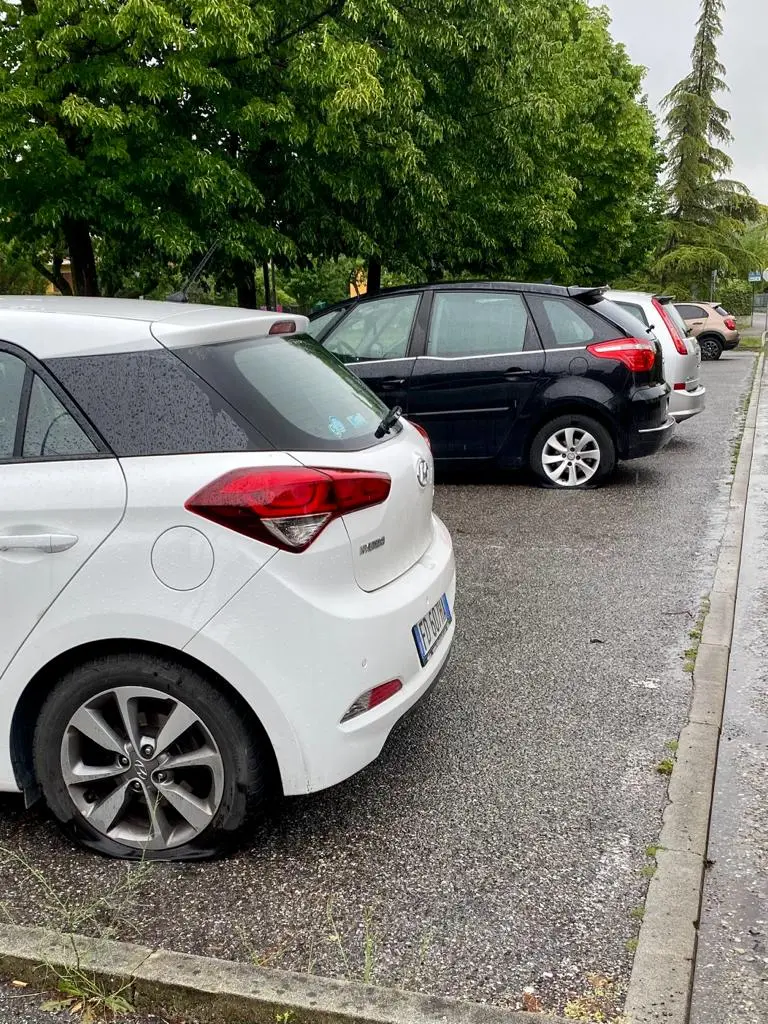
x,y
661,982
219,991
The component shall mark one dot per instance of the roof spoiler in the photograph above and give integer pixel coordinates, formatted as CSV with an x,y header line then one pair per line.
x,y
664,299
588,295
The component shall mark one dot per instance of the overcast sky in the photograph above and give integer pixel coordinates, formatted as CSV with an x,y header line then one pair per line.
x,y
659,35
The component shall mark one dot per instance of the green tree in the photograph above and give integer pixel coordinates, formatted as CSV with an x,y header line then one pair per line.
x,y
432,136
706,210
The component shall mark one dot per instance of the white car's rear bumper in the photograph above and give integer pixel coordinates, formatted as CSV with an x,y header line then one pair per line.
x,y
684,404
302,665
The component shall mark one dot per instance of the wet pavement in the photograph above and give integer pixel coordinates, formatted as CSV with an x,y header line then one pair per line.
x,y
500,840
731,982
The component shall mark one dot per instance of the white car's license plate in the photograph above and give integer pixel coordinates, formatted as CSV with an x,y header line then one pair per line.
x,y
428,632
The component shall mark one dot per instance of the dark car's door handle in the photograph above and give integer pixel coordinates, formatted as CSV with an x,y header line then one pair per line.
x,y
390,383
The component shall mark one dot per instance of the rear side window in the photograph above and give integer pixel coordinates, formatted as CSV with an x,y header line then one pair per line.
x,y
476,323
298,395
564,323
150,403
688,312
721,311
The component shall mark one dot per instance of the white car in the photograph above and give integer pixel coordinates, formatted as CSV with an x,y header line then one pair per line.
x,y
680,350
220,571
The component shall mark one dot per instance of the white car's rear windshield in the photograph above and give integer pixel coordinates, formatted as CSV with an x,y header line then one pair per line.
x,y
298,395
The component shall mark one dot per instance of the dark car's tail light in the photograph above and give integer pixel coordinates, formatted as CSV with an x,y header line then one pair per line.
x,y
287,506
730,323
638,354
283,327
671,327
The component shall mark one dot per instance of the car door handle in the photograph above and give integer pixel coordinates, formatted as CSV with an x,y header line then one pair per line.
x,y
390,383
514,374
50,543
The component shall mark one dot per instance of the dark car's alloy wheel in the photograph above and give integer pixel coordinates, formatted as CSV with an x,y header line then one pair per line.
x,y
572,451
710,347
139,757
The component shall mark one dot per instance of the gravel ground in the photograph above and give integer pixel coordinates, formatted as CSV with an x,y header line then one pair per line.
x,y
731,984
499,842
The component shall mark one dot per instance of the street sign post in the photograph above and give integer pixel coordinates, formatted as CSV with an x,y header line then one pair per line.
x,y
755,277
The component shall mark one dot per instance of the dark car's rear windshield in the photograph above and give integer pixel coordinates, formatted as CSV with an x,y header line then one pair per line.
x,y
298,395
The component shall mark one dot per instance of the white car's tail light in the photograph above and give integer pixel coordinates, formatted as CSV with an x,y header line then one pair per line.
x,y
671,326
372,698
287,506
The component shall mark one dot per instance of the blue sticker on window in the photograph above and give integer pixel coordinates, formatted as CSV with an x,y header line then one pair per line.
x,y
356,419
336,427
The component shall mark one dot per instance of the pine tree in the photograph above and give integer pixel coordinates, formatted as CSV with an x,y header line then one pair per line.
x,y
705,209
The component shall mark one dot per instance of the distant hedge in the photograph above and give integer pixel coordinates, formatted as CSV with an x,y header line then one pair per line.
x,y
736,297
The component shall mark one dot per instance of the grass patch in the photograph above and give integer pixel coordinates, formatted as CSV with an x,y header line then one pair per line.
x,y
690,654
637,913
665,766
752,344
631,945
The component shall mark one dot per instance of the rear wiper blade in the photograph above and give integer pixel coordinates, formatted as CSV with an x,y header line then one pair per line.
x,y
388,421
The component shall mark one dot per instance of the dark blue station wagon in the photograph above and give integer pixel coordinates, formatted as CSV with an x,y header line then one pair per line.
x,y
558,379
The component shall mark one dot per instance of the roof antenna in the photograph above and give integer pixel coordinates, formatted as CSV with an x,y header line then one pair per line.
x,y
183,296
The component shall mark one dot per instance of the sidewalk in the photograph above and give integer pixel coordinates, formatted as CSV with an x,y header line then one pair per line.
x,y
731,979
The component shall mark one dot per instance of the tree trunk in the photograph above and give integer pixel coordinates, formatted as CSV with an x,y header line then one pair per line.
x,y
82,260
267,288
54,275
374,276
245,281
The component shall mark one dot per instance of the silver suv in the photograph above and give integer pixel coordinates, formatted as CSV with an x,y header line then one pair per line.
x,y
680,350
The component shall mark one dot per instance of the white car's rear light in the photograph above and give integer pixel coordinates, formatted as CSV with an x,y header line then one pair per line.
x,y
289,506
372,698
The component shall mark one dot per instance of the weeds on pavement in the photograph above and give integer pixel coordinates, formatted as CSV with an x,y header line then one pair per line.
x,y
598,1004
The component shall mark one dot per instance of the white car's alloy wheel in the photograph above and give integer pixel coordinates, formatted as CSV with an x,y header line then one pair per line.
x,y
142,768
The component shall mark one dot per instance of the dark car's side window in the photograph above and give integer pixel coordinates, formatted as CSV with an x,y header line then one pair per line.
x,y
12,370
564,323
476,323
319,325
379,329
688,312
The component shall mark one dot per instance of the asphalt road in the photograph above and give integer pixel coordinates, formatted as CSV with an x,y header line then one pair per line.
x,y
500,840
731,983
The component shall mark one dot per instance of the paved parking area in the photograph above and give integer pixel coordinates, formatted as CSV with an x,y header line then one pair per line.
x,y
500,840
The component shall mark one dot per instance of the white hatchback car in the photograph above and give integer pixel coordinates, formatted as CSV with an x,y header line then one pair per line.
x,y
680,351
220,571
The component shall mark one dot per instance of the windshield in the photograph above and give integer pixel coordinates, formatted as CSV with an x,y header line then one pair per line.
x,y
298,395
674,315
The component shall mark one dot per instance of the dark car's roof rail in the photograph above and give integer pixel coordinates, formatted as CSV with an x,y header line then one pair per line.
x,y
588,295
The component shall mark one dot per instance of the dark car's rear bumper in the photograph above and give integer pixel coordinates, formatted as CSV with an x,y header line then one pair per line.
x,y
647,423
649,440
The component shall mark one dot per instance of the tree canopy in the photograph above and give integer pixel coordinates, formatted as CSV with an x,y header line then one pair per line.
x,y
437,136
